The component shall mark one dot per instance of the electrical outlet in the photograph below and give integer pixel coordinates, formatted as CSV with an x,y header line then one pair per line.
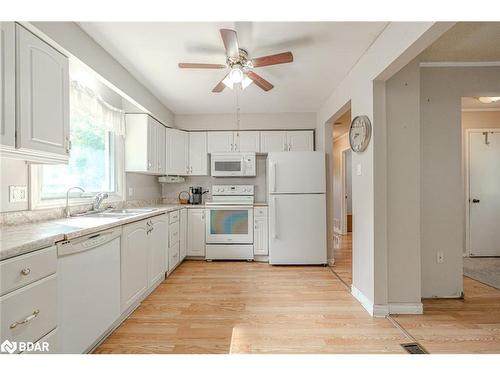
x,y
18,193
439,257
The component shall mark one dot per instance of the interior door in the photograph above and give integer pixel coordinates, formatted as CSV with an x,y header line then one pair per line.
x,y
484,193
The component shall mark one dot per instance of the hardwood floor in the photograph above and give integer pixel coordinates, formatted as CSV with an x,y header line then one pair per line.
x,y
471,325
240,307
342,252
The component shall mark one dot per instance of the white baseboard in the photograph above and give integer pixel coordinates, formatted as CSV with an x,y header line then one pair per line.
x,y
406,308
373,310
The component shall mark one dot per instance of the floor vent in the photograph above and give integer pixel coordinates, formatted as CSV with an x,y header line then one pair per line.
x,y
414,348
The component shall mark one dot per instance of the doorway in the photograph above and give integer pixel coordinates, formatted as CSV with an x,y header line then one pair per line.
x,y
481,133
347,191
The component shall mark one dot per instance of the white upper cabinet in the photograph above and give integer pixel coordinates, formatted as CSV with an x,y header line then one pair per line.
x,y
222,141
43,96
7,84
177,152
293,140
302,140
198,156
247,141
273,141
144,144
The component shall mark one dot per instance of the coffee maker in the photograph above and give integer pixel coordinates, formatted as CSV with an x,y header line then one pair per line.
x,y
196,196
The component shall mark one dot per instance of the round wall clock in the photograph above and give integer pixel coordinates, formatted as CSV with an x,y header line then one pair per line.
x,y
360,133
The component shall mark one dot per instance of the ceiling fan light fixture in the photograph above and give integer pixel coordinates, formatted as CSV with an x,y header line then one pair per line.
x,y
488,99
227,81
236,75
246,82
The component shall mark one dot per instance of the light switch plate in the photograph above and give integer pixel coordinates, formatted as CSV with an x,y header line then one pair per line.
x,y
358,169
18,193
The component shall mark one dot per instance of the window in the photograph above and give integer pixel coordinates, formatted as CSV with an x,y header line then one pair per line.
x,y
95,157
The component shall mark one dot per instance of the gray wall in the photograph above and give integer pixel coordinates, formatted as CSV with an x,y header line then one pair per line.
x,y
442,182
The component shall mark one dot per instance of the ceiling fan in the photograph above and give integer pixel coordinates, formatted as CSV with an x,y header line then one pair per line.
x,y
240,74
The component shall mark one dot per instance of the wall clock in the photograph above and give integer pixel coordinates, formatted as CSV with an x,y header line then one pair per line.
x,y
360,133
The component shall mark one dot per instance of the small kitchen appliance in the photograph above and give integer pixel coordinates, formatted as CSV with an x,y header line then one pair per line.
x,y
196,196
229,223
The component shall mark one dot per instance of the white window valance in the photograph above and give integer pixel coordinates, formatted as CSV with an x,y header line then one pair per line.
x,y
85,102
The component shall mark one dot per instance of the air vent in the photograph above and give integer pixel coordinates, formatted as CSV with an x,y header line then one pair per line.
x,y
414,348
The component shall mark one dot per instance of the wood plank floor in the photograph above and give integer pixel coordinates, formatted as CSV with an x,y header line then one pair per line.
x,y
240,307
342,253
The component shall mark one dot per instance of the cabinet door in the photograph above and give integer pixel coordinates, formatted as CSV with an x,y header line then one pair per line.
x,y
183,234
161,151
220,142
198,156
260,233
247,141
157,249
152,147
7,84
177,152
134,263
43,94
196,232
273,141
301,140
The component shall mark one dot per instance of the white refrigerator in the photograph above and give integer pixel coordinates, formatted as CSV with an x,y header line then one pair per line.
x,y
297,207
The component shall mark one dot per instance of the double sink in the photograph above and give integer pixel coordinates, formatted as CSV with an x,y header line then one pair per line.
x,y
118,213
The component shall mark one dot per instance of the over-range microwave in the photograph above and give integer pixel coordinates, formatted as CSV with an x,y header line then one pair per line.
x,y
231,164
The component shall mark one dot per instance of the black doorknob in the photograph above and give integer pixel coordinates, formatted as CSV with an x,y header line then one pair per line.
x,y
475,200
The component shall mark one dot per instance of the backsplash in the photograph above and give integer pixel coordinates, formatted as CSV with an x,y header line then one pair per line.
x,y
170,192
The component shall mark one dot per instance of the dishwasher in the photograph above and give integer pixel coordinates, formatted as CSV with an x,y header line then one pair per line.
x,y
88,274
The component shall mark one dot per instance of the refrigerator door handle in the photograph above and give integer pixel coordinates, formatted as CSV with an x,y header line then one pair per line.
x,y
275,219
273,175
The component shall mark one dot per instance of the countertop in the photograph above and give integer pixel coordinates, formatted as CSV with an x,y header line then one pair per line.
x,y
21,239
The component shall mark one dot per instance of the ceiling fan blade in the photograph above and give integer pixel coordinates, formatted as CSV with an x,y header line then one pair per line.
x,y
280,58
220,86
201,66
230,40
259,81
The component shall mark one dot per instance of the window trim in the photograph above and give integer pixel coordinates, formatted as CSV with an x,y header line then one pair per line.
x,y
35,184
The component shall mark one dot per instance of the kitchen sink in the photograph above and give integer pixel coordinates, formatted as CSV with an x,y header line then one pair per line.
x,y
117,213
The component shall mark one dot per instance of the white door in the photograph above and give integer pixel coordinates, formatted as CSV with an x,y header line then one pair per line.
x,y
161,151
297,229
247,141
183,221
301,140
152,146
221,142
158,242
196,232
198,155
290,172
484,193
134,263
177,152
273,141
7,84
43,92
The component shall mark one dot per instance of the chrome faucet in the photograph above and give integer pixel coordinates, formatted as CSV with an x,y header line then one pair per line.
x,y
66,210
98,200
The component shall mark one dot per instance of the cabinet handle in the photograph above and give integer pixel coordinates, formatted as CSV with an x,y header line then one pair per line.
x,y
25,320
25,271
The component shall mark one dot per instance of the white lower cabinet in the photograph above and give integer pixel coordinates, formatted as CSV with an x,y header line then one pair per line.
x,y
183,234
260,232
196,230
142,258
173,240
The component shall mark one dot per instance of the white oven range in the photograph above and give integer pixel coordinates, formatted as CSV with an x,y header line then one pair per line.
x,y
229,223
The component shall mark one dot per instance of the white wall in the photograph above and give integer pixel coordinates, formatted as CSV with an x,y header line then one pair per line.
x,y
398,44
442,180
79,44
247,121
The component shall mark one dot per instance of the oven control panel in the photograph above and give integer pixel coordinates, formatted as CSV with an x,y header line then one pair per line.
x,y
232,190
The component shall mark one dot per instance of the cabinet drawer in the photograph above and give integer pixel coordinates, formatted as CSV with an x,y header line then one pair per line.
x,y
173,257
260,211
173,234
49,344
29,313
25,269
173,217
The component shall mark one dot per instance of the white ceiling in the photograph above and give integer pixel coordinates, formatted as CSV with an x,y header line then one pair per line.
x,y
324,52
